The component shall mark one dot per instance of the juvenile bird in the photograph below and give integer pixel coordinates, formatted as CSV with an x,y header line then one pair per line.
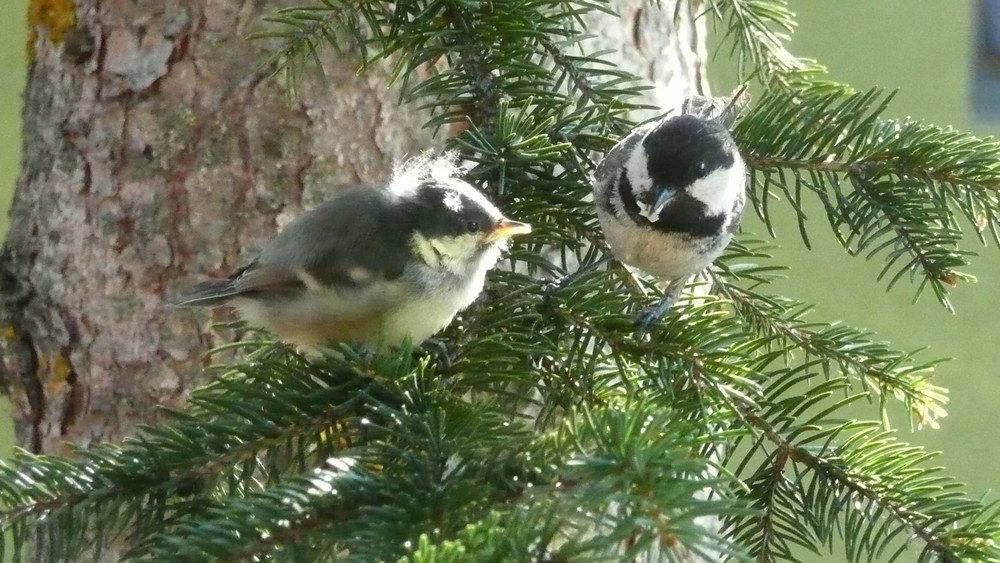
x,y
376,265
670,194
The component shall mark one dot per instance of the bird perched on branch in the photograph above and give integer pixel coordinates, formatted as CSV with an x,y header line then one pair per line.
x,y
376,265
670,194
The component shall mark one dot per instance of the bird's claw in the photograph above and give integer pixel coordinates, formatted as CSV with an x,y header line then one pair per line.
x,y
648,317
644,322
439,350
549,287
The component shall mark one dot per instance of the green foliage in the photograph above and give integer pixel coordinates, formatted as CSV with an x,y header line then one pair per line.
x,y
758,31
892,189
555,436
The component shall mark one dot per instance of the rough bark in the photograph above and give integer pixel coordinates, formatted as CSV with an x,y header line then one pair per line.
x,y
661,42
156,154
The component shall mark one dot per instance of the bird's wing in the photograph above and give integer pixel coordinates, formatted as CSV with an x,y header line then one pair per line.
x,y
352,247
614,162
365,295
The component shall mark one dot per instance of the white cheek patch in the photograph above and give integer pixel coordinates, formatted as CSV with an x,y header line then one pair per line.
x,y
638,176
720,189
445,252
456,248
423,248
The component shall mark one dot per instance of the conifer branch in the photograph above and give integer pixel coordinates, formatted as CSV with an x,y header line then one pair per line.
x,y
556,434
304,31
906,178
884,371
758,31
937,509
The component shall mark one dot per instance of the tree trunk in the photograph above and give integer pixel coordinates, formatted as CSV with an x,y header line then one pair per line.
x,y
660,42
157,154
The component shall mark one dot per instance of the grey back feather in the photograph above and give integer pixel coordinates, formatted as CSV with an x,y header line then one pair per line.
x,y
327,245
724,109
614,161
208,293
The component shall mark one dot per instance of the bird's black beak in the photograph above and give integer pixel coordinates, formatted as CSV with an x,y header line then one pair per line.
x,y
666,194
507,228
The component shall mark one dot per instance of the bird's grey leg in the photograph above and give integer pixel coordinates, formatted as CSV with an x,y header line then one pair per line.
x,y
648,317
439,350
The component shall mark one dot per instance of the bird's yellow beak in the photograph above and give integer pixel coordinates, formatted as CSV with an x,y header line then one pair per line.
x,y
507,228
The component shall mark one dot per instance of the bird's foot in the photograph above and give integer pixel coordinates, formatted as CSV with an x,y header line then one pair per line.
x,y
439,350
644,322
648,317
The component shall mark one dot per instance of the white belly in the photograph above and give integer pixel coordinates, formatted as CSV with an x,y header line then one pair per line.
x,y
668,256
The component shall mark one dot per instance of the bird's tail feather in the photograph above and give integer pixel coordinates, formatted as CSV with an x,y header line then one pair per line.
x,y
724,109
208,294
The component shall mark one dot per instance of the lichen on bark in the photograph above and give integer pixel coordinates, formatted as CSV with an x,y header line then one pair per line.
x,y
156,154
155,157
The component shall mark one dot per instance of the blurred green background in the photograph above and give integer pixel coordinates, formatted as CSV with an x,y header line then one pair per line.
x,y
13,37
923,48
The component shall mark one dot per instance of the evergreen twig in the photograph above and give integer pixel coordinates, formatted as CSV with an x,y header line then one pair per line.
x,y
556,436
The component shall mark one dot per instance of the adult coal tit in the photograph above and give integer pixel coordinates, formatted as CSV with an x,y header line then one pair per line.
x,y
670,194
377,265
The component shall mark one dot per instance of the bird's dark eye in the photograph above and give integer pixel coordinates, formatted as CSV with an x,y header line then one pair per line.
x,y
472,226
701,169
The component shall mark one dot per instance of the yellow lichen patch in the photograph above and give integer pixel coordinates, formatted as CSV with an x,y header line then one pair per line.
x,y
57,17
61,368
54,371
9,333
